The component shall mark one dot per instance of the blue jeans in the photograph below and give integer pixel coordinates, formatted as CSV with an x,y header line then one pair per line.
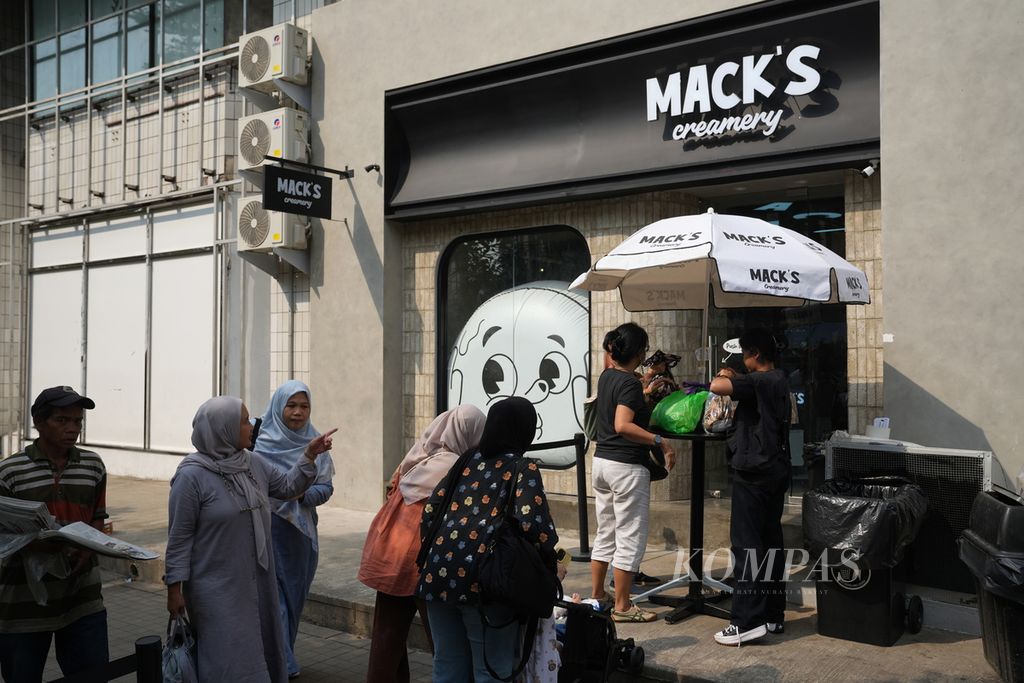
x,y
458,635
81,645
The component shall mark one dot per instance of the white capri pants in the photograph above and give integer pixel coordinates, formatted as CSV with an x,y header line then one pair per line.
x,y
622,499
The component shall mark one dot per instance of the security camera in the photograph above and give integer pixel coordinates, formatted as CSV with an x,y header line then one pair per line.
x,y
870,169
372,167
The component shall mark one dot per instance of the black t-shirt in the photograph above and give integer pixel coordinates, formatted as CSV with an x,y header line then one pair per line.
x,y
756,444
616,388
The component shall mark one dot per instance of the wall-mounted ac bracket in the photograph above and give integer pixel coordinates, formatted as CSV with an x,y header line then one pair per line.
x,y
263,101
296,258
252,175
302,95
268,263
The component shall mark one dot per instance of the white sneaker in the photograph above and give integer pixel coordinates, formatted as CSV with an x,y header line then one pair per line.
x,y
731,635
776,628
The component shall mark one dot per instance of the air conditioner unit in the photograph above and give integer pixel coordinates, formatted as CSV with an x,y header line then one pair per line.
x,y
262,230
280,133
278,52
950,479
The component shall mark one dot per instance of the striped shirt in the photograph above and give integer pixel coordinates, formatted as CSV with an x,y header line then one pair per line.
x,y
75,494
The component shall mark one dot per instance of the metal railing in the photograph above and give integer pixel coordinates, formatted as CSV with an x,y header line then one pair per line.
x,y
145,663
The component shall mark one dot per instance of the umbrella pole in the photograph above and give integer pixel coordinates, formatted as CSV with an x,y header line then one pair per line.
x,y
705,339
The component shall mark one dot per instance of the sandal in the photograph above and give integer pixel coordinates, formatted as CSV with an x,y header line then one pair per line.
x,y
633,615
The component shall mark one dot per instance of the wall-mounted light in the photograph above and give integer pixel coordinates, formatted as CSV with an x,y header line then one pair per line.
x,y
372,167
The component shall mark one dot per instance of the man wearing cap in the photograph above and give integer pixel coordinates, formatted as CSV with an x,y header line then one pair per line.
x,y
73,484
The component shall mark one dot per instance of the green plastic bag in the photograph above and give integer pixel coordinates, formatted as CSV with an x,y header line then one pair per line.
x,y
679,412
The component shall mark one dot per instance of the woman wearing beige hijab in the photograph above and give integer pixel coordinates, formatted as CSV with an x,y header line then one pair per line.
x,y
219,559
393,541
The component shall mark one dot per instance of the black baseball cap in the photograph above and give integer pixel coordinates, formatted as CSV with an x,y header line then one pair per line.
x,y
61,397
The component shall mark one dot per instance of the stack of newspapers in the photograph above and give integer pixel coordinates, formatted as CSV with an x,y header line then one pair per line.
x,y
24,521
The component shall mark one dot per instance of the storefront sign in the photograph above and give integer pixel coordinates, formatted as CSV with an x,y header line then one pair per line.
x,y
296,192
731,99
776,87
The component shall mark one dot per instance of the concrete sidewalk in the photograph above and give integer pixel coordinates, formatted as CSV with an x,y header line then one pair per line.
x,y
684,651
327,656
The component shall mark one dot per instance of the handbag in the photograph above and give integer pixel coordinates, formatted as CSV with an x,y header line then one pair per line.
x,y
392,544
179,655
655,464
512,571
590,418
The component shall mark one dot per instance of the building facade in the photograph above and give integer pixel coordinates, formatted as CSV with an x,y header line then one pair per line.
x,y
506,149
120,189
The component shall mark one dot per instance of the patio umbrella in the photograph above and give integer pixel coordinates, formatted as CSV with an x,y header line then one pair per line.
x,y
692,262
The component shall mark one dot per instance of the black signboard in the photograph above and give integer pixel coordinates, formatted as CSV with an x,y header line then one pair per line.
x,y
296,192
776,87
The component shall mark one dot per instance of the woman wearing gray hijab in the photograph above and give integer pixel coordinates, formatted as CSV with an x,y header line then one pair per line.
x,y
219,559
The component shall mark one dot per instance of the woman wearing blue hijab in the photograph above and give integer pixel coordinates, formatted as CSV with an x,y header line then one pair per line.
x,y
285,431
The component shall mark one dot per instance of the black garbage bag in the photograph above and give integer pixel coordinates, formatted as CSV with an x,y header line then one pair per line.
x,y
871,521
997,572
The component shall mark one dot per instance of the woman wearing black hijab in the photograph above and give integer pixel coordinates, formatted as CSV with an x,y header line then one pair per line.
x,y
472,513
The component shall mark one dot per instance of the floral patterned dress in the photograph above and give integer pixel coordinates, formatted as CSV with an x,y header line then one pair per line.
x,y
472,514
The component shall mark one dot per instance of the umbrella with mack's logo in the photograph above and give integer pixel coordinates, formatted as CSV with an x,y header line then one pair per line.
x,y
692,262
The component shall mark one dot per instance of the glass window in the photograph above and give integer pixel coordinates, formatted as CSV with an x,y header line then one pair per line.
x,y
140,38
511,327
12,75
213,34
106,50
101,8
71,13
44,69
43,18
72,60
181,29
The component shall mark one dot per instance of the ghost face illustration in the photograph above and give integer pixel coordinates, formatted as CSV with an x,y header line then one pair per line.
x,y
530,341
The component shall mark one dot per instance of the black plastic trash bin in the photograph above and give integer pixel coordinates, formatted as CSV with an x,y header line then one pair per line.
x,y
869,523
993,549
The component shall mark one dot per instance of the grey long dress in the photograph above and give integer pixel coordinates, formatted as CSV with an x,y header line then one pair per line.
x,y
232,602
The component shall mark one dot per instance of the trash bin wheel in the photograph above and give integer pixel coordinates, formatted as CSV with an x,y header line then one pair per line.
x,y
915,614
636,661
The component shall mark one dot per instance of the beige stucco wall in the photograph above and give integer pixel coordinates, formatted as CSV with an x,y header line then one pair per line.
x,y
356,283
952,144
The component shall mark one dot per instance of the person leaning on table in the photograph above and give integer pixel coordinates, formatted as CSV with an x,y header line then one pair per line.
x,y
622,483
761,469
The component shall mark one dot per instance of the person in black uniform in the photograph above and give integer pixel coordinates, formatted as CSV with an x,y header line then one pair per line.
x,y
761,470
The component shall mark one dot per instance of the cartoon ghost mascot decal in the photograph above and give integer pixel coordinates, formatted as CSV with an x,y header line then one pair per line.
x,y
532,341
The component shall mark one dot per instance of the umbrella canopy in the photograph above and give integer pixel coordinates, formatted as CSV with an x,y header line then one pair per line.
x,y
744,262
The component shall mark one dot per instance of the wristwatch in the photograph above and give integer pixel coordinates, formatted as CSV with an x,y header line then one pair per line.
x,y
657,439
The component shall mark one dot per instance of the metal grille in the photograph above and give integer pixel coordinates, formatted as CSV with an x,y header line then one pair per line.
x,y
951,482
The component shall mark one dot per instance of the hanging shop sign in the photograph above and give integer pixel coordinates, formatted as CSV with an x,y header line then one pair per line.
x,y
296,192
779,86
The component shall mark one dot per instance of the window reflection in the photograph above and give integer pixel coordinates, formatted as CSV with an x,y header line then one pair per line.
x,y
43,18
106,50
181,24
72,60
44,69
71,13
139,43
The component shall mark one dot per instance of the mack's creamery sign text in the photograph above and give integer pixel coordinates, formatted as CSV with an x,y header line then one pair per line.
x,y
295,192
739,96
